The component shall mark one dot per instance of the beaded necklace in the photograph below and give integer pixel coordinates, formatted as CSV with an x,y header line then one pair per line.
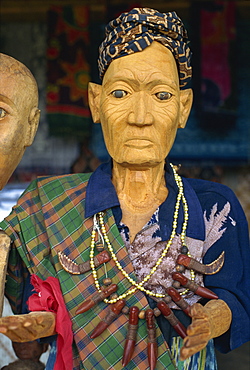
x,y
102,233
117,304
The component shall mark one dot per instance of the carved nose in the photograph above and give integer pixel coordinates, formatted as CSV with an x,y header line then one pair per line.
x,y
140,114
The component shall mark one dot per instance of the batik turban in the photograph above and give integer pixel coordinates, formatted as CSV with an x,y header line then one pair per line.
x,y
134,31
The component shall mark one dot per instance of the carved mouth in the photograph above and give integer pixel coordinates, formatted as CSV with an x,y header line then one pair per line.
x,y
139,143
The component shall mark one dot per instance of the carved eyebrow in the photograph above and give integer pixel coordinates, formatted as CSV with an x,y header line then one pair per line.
x,y
163,81
5,99
121,79
151,83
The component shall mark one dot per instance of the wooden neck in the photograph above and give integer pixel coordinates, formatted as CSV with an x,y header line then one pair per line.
x,y
140,192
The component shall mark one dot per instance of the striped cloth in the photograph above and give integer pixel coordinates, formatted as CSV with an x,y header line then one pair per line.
x,y
48,218
134,31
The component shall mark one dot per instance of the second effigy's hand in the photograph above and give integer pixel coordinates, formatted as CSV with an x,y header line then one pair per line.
x,y
28,327
198,332
209,321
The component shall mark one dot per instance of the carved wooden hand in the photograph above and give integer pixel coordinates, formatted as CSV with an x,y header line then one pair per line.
x,y
28,327
209,321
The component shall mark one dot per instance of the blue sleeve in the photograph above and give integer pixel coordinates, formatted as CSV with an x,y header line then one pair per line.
x,y
232,282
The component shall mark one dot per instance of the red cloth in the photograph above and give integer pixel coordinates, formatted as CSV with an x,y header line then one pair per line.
x,y
49,298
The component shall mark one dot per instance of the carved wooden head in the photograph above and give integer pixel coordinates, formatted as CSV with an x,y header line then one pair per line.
x,y
140,106
19,115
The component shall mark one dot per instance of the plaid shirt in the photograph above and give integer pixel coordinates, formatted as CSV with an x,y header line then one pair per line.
x,y
51,216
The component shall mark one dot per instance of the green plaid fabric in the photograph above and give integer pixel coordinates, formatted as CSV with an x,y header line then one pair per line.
x,y
48,218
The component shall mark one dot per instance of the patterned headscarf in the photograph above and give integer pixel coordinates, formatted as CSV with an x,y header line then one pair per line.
x,y
134,31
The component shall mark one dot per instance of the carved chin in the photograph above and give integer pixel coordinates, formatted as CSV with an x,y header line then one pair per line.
x,y
138,157
139,165
3,183
4,177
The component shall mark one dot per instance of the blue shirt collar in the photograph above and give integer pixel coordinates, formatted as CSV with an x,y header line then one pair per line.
x,y
101,195
100,192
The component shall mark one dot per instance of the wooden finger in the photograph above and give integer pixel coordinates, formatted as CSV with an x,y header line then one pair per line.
x,y
186,352
192,341
3,329
198,326
197,311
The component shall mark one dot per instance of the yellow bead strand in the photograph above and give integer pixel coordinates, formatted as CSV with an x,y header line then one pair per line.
x,y
180,197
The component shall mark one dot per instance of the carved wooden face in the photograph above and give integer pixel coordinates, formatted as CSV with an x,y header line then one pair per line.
x,y
140,106
18,120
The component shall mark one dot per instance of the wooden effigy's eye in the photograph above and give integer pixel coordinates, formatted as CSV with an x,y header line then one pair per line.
x,y
119,93
163,95
2,113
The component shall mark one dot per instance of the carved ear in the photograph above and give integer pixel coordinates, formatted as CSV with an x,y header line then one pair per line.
x,y
186,100
33,125
94,94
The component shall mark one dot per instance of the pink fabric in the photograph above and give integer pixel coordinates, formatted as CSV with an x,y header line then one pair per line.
x,y
217,31
49,298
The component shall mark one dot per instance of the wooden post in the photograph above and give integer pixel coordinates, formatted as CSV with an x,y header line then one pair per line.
x,y
4,254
